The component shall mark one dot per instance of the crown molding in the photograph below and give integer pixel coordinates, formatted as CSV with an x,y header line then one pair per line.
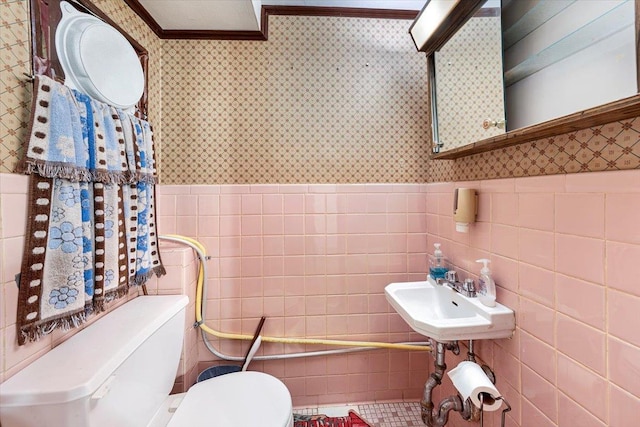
x,y
266,11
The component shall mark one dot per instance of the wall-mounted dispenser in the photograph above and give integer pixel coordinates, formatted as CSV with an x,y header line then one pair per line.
x,y
465,208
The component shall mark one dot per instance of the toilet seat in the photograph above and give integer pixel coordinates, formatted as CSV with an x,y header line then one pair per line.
x,y
238,399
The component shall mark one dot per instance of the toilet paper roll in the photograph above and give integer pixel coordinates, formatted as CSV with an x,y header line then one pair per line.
x,y
470,380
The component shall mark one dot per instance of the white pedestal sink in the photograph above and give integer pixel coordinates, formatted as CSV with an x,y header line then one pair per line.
x,y
443,314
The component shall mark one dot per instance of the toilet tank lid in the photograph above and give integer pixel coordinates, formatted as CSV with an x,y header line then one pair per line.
x,y
77,367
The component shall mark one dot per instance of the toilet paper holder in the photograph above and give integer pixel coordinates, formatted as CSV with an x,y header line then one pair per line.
x,y
504,411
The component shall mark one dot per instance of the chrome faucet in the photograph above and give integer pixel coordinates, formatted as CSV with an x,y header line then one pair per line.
x,y
466,288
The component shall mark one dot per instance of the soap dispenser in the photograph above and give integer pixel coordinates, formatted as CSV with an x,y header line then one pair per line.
x,y
486,285
437,263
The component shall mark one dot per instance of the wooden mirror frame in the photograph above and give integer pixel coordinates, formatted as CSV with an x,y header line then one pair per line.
x,y
45,17
622,109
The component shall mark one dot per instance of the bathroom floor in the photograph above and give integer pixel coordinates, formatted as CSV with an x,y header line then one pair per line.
x,y
397,414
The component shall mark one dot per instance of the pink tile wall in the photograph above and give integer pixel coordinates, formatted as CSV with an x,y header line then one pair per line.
x,y
315,260
565,253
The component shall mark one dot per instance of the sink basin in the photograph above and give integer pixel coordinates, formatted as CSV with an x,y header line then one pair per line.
x,y
443,314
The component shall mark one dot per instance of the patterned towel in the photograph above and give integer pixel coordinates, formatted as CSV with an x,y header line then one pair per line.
x,y
57,147
53,269
91,231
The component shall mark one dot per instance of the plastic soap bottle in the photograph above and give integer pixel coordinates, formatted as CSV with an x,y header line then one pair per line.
x,y
437,264
486,285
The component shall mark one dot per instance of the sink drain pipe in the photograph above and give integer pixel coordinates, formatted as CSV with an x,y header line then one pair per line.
x,y
431,416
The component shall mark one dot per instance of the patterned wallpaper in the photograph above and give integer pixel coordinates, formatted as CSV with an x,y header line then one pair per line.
x,y
325,100
469,83
317,103
613,146
15,91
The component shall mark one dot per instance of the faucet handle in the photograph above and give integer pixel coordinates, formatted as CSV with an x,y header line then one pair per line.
x,y
450,276
469,288
469,285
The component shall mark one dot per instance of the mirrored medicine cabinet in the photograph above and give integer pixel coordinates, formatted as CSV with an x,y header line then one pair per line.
x,y
520,70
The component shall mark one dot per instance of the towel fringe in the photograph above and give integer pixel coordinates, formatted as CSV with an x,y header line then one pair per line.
x,y
111,177
141,278
100,304
35,331
76,174
55,170
146,178
160,271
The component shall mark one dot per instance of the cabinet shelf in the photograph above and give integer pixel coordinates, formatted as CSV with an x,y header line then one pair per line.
x,y
614,111
531,20
598,29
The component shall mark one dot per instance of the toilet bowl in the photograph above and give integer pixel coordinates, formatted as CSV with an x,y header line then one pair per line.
x,y
236,399
119,371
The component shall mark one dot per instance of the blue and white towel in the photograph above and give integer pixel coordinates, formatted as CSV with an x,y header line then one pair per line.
x,y
93,175
57,146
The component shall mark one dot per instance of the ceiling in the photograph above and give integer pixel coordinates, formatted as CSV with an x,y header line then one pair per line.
x,y
244,15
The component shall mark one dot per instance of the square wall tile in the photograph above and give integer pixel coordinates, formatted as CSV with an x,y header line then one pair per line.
x,y
504,208
507,185
12,183
623,268
186,205
540,393
12,249
624,364
537,248
623,311
537,320
534,417
504,240
580,214
572,414
581,300
622,217
624,407
209,204
585,387
537,211
627,181
541,184
581,342
580,257
539,356
13,211
537,283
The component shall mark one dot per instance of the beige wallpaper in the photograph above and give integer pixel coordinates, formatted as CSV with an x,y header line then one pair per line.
x,y
14,91
326,100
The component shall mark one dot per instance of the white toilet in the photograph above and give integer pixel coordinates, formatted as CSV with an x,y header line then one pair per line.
x,y
119,371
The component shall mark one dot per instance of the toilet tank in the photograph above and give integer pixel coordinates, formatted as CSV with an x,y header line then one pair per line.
x,y
115,372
